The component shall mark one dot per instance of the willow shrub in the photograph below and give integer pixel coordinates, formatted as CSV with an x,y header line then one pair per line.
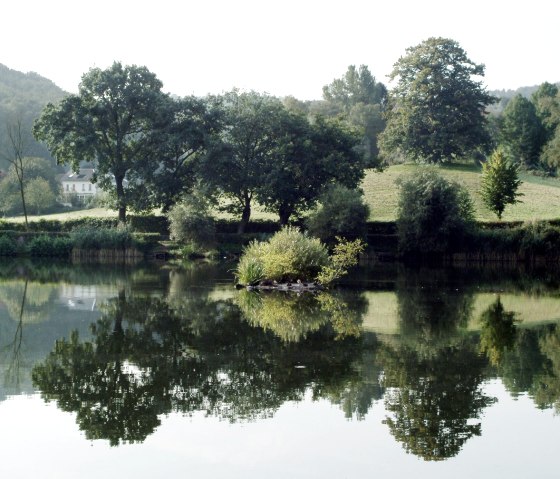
x,y
291,255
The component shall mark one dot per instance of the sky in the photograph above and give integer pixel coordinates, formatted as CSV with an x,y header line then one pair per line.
x,y
282,47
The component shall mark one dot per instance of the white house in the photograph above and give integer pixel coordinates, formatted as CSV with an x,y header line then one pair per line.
x,y
80,184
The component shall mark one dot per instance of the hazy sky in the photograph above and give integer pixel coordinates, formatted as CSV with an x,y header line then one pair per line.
x,y
283,47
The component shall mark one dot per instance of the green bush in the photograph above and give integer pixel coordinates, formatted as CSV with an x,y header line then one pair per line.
x,y
434,214
49,246
288,256
8,246
190,223
102,238
342,212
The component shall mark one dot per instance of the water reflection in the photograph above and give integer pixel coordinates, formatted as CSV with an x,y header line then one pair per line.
x,y
159,341
146,360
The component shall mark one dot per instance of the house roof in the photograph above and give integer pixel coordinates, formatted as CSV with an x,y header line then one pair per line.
x,y
85,174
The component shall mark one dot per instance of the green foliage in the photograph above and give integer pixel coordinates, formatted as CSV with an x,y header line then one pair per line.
x,y
307,156
498,332
49,246
436,110
111,121
359,99
102,238
288,256
434,214
8,246
500,183
521,132
39,182
39,196
342,212
239,158
190,222
344,256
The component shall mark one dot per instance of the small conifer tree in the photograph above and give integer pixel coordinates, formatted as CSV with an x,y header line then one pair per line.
x,y
500,183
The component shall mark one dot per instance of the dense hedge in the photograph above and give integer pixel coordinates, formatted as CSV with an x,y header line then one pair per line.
x,y
137,223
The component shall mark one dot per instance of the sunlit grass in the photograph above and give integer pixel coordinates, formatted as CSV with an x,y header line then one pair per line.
x,y
541,198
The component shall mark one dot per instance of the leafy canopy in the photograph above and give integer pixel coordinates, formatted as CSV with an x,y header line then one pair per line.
x,y
110,122
436,110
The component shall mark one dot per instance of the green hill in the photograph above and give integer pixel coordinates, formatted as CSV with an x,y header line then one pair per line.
x,y
23,96
541,198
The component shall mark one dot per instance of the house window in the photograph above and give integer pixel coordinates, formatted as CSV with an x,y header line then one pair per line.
x,y
73,187
83,187
67,187
89,187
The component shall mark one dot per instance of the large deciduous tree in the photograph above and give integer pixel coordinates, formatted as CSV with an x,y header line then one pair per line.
x,y
436,111
521,132
186,128
309,155
110,122
239,160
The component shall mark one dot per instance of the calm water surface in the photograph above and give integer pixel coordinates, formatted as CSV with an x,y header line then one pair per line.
x,y
151,371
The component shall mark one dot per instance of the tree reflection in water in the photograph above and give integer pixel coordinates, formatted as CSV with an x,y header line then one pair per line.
x,y
433,372
146,360
240,356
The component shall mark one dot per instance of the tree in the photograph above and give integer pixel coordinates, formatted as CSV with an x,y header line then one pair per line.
x,y
522,132
360,100
40,196
547,107
186,129
240,158
33,169
18,139
308,156
500,182
436,110
355,87
110,122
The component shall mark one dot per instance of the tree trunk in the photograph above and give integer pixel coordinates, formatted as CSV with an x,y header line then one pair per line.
x,y
245,216
284,212
121,202
24,206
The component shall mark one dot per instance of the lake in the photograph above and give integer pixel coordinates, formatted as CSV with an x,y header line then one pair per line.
x,y
114,371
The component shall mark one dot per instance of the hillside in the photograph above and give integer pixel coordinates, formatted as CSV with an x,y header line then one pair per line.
x,y
541,198
24,95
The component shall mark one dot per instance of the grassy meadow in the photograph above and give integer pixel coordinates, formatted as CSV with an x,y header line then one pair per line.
x,y
541,198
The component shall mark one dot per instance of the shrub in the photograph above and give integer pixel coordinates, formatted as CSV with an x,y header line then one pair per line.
x,y
342,212
8,246
102,238
291,255
190,223
49,246
287,256
434,214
